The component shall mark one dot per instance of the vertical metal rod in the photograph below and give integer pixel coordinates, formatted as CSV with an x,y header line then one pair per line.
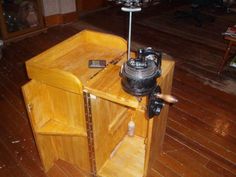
x,y
130,28
130,10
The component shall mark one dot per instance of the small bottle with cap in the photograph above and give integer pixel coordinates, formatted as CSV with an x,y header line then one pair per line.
x,y
131,128
1,46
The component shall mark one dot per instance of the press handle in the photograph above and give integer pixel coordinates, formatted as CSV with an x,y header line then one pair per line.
x,y
167,98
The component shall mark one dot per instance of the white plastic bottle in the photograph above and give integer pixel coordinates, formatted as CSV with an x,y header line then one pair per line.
x,y
131,128
1,45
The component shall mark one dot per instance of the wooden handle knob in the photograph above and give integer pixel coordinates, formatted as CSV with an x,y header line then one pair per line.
x,y
167,98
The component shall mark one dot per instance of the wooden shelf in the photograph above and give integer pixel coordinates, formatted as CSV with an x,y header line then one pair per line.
x,y
53,127
128,159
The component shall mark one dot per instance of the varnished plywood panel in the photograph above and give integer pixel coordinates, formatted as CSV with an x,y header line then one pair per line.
x,y
67,108
40,112
128,160
46,150
141,123
66,64
106,139
72,149
57,120
53,110
107,84
157,126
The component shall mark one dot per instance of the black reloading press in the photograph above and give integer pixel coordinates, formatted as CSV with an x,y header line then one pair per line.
x,y
139,74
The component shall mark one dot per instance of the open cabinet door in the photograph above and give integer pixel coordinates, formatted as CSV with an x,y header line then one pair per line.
x,y
57,121
157,126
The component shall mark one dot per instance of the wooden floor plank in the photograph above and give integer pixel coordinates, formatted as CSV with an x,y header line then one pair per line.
x,y
226,141
71,170
18,140
190,80
197,53
222,125
56,171
219,170
171,145
155,173
12,95
194,161
215,104
212,165
202,149
200,139
8,167
164,170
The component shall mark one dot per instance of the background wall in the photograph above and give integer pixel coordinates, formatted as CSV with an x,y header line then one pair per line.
x,y
59,11
67,6
52,7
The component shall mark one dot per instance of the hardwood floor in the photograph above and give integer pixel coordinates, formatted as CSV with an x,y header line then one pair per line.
x,y
201,133
200,60
18,154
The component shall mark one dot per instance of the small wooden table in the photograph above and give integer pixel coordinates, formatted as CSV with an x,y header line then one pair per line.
x,y
232,42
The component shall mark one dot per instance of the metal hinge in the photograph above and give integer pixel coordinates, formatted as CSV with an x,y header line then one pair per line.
x,y
89,125
29,107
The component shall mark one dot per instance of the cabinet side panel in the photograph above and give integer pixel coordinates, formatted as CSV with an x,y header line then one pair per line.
x,y
160,122
157,126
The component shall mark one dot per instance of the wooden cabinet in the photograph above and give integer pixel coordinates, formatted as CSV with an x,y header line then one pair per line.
x,y
80,115
20,18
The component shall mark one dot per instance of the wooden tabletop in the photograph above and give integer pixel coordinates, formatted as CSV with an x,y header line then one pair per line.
x,y
65,65
107,84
